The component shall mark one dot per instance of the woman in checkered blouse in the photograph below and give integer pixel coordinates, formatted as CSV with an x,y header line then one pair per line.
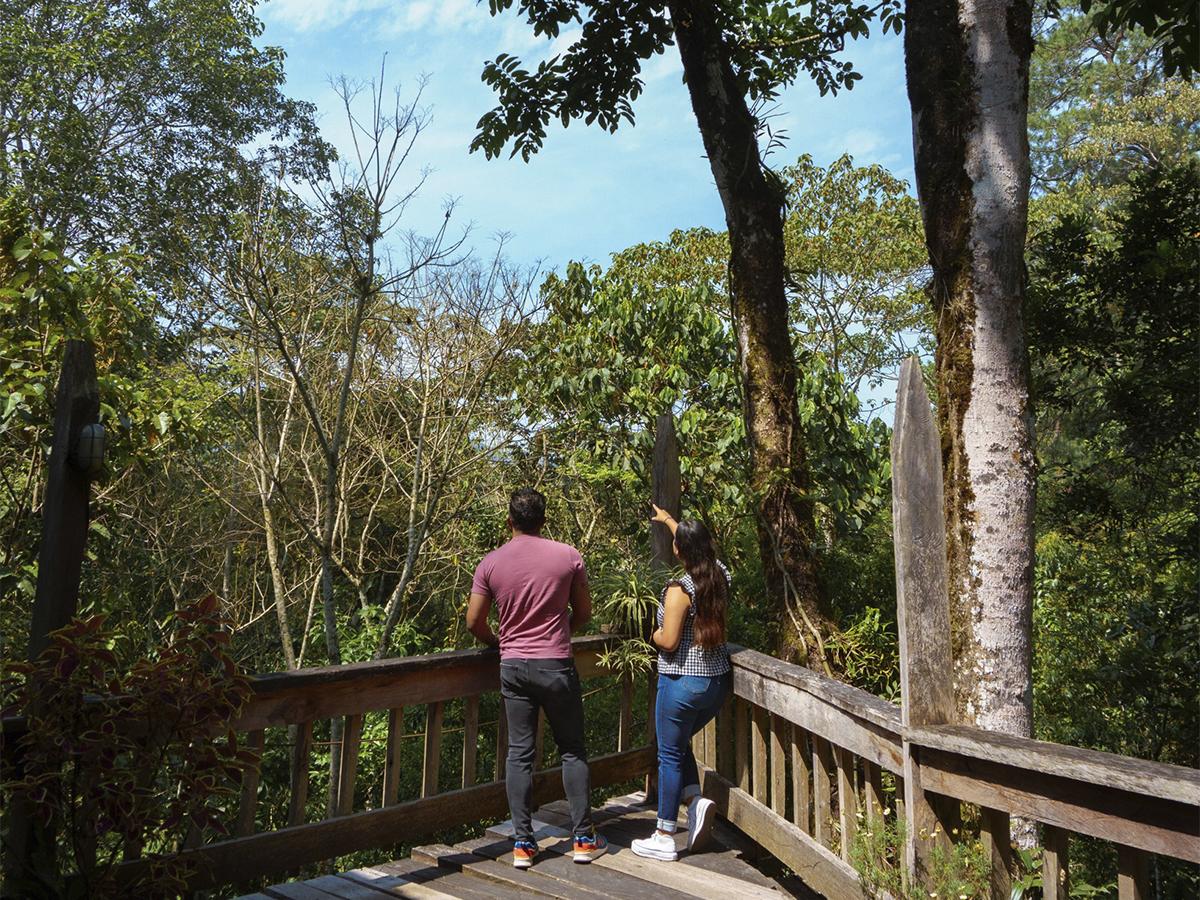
x,y
694,678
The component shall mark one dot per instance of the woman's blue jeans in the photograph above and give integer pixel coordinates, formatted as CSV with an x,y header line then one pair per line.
x,y
684,705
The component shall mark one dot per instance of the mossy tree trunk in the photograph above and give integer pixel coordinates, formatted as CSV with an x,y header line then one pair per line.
x,y
753,202
968,77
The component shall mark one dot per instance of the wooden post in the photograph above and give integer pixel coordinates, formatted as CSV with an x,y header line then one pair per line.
x,y
29,846
665,486
65,510
1056,881
922,599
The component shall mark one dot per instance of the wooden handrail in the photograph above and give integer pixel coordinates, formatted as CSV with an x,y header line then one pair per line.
x,y
841,737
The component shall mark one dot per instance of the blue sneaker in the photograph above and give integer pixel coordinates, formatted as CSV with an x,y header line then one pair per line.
x,y
589,846
523,854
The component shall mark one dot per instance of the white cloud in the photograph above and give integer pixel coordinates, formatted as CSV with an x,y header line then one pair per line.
x,y
311,15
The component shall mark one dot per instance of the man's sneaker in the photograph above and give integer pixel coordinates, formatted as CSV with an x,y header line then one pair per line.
x,y
523,854
589,846
701,814
657,846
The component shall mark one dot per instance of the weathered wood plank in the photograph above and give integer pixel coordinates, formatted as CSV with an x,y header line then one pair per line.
x,y
847,800
725,764
248,804
780,734
433,749
919,537
817,866
922,598
710,743
470,739
801,780
1104,770
995,834
823,778
261,855
348,772
1168,827
758,737
501,741
1056,880
284,698
625,721
301,753
741,742
1133,874
873,791
392,757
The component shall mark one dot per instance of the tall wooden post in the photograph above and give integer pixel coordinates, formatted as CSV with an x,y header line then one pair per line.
x,y
65,511
666,486
666,492
29,846
922,599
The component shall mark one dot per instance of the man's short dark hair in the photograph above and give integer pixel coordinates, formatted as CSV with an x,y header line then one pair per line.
x,y
527,509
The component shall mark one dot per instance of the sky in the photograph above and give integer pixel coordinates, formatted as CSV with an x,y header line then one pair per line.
x,y
588,193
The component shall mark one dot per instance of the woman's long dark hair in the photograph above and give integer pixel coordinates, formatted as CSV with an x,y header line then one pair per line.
x,y
695,547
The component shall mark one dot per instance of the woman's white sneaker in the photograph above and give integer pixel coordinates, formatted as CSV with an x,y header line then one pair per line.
x,y
657,846
701,813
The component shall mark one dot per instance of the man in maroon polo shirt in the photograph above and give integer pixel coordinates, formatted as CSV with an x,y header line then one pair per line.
x,y
540,590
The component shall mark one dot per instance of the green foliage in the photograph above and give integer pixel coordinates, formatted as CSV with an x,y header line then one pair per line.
x,y
124,121
147,398
960,872
1101,109
136,769
1115,349
857,265
768,44
1173,24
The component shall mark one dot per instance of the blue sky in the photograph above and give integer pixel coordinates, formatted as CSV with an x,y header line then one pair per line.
x,y
587,194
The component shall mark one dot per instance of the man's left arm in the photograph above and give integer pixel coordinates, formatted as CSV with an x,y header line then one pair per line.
x,y
478,607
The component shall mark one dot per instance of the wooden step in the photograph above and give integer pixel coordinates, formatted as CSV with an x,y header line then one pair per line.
x,y
498,870
422,881
579,878
727,875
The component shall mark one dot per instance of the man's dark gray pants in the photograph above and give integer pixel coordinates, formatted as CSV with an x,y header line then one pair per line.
x,y
552,685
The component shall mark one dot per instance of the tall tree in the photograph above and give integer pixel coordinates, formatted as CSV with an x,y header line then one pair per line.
x,y
735,56
968,76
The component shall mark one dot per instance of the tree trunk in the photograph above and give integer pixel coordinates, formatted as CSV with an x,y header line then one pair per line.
x,y
968,79
753,203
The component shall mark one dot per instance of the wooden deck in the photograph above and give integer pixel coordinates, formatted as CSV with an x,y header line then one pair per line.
x,y
480,869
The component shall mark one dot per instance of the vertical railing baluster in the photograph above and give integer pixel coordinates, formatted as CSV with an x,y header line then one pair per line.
x,y
741,742
823,776
625,723
778,766
997,845
759,755
301,753
1133,874
433,748
255,741
470,739
351,744
1056,879
391,758
801,780
847,799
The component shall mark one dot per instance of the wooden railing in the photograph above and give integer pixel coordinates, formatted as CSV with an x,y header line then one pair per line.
x,y
800,763
285,707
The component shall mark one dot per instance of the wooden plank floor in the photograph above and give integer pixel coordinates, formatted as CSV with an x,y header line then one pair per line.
x,y
481,869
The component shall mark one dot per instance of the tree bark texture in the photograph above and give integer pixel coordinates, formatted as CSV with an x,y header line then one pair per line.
x,y
753,203
968,79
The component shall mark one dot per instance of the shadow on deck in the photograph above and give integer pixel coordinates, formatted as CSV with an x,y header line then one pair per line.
x,y
480,868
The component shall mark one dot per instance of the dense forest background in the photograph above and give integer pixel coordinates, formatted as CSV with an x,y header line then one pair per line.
x,y
317,407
